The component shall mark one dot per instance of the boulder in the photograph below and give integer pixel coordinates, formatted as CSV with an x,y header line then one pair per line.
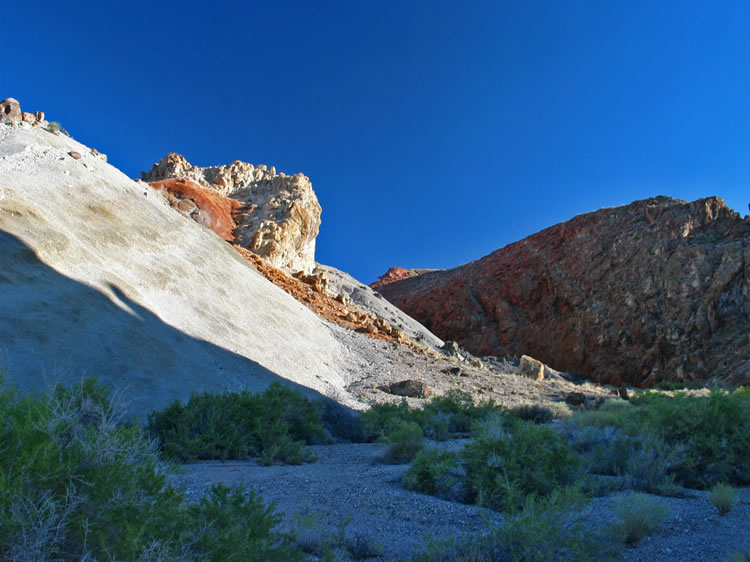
x,y
531,368
408,388
658,290
278,216
10,111
575,398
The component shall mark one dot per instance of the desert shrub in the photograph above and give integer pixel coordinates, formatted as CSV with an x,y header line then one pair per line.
x,y
404,442
650,464
380,419
713,430
723,497
510,459
437,473
663,442
273,425
454,412
314,537
640,515
76,483
533,413
54,127
546,529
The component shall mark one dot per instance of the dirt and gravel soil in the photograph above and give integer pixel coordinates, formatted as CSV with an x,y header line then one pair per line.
x,y
349,481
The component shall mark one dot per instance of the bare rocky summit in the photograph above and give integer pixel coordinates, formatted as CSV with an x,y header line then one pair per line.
x,y
278,216
658,290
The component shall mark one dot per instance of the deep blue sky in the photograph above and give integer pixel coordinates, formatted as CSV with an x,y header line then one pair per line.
x,y
433,132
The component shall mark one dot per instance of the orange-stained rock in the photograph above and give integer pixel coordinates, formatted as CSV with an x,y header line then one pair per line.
x,y
279,216
209,208
397,274
658,290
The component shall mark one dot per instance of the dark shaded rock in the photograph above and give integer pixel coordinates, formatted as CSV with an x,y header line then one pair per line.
x,y
658,290
623,393
575,398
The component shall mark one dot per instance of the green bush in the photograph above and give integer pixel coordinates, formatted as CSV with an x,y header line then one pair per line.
x,y
640,515
723,497
533,413
76,483
453,413
437,473
54,127
314,537
713,430
510,459
660,442
273,425
546,529
404,442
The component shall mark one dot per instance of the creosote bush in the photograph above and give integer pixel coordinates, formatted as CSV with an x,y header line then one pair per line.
x,y
273,425
723,496
78,484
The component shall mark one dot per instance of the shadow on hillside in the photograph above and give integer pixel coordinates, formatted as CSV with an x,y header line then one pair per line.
x,y
54,329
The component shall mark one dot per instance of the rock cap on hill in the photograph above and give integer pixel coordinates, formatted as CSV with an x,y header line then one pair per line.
x,y
278,217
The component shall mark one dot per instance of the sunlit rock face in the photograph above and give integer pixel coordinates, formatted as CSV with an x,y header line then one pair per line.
x,y
658,290
100,277
278,216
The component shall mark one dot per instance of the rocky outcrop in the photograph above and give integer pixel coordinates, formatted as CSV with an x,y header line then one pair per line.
x,y
204,205
278,216
11,114
658,290
397,274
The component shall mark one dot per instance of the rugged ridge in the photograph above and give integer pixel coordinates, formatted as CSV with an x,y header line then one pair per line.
x,y
658,290
278,216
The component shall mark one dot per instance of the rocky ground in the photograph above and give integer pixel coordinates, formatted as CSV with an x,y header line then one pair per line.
x,y
349,482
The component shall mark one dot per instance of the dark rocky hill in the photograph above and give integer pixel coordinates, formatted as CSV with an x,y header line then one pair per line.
x,y
658,290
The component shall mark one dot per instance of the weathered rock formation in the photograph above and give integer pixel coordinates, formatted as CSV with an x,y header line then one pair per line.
x,y
202,204
278,217
658,290
11,114
397,274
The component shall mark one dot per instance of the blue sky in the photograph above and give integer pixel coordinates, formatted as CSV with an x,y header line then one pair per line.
x,y
433,132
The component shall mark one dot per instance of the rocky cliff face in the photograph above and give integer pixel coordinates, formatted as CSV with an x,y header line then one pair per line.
x,y
278,216
658,290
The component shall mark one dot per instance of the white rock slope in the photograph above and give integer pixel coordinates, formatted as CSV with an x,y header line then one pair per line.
x,y
100,277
